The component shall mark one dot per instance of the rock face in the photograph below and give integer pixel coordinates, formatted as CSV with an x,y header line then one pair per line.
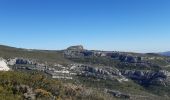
x,y
101,73
20,61
78,52
74,51
3,65
148,77
129,58
23,61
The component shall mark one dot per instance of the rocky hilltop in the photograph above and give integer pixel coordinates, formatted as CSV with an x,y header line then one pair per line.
x,y
76,48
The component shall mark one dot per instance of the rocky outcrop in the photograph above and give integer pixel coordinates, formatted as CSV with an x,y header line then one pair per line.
x,y
125,57
130,59
76,48
23,61
74,52
98,72
20,61
78,52
117,94
148,77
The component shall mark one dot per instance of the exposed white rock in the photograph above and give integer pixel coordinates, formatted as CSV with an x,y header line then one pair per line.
x,y
12,62
122,79
63,71
3,65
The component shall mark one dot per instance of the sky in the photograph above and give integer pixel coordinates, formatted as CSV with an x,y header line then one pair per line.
x,y
114,25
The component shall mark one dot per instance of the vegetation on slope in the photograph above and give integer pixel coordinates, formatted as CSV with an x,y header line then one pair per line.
x,y
85,89
40,55
43,88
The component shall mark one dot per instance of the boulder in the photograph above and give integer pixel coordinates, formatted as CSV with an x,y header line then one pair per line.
x,y
3,65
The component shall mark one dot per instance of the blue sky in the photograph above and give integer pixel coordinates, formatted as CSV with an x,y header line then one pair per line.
x,y
121,25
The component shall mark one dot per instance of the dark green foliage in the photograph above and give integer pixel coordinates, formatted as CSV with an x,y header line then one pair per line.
x,y
44,87
109,84
159,90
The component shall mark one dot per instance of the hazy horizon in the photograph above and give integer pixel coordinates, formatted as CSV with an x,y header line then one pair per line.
x,y
111,25
102,49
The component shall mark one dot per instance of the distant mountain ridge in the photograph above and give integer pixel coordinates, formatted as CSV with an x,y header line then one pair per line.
x,y
165,53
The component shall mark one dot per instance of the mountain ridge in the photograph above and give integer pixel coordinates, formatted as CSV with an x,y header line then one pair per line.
x,y
167,53
117,75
